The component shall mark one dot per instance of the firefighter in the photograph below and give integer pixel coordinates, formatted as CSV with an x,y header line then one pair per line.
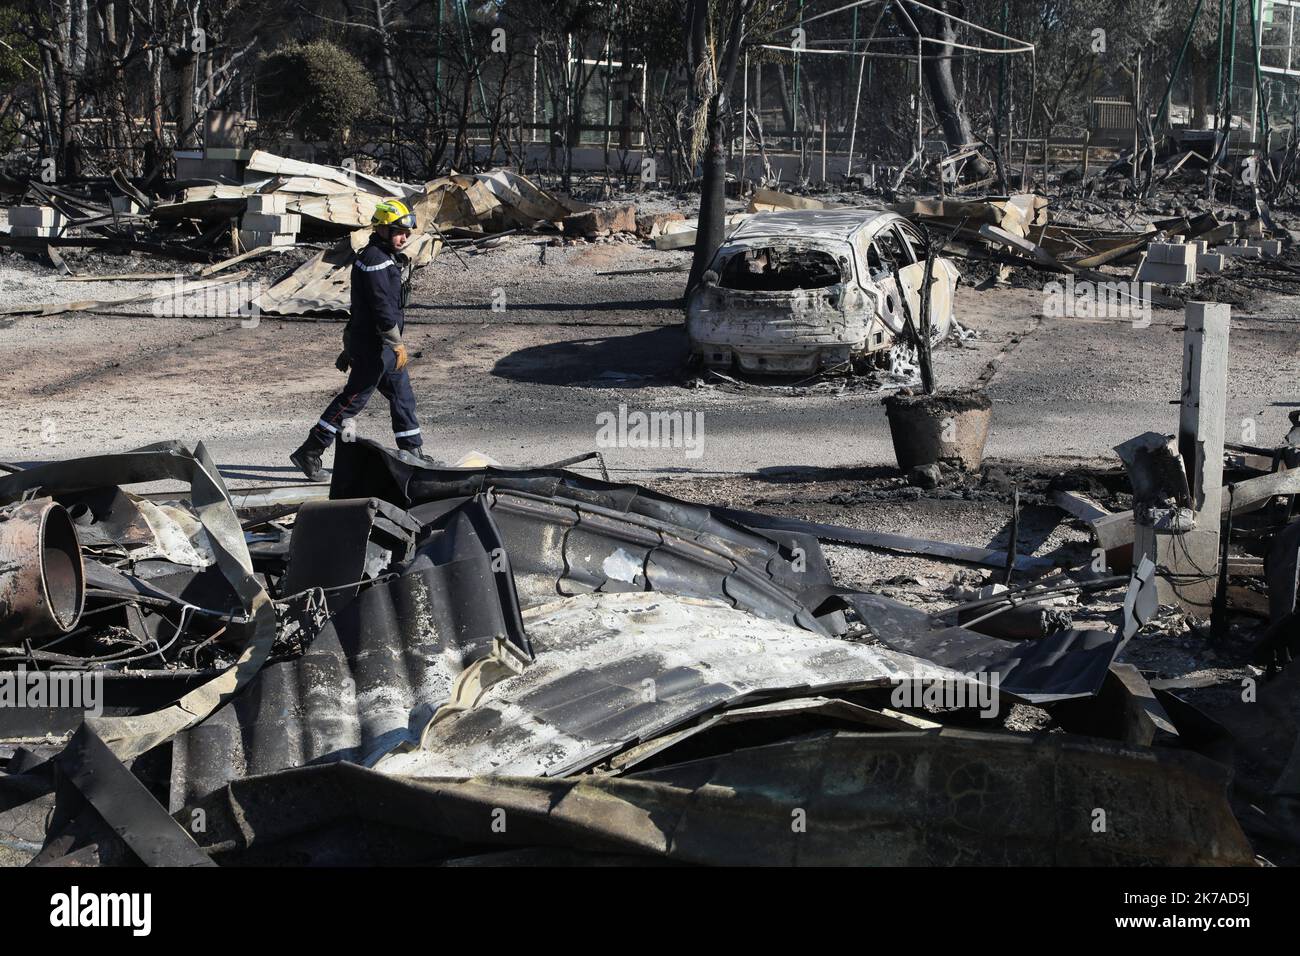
x,y
373,353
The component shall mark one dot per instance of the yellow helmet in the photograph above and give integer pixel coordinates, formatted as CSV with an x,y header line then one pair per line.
x,y
393,212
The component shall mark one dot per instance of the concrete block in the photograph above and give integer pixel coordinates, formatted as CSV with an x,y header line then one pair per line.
x,y
1166,273
1202,247
35,216
1210,262
44,232
651,225
1239,252
290,222
1270,247
272,204
1172,253
253,239
1220,233
124,204
601,222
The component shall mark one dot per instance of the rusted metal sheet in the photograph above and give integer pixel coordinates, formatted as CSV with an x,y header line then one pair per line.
x,y
865,799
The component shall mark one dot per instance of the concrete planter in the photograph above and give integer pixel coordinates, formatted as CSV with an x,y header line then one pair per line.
x,y
948,428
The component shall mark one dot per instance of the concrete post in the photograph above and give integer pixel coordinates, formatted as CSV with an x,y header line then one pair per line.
x,y
1178,491
1195,558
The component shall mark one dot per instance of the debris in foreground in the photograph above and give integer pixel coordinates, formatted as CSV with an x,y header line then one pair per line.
x,y
428,645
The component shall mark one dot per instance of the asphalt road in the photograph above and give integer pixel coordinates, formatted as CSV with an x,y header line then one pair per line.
x,y
535,382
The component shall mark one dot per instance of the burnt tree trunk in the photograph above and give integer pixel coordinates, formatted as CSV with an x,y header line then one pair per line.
x,y
185,63
787,107
713,203
712,218
1198,75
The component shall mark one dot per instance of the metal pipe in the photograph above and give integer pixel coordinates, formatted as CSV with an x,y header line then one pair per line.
x,y
1218,71
42,576
1232,68
1261,107
795,114
744,119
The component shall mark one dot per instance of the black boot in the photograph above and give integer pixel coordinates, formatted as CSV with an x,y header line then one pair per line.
x,y
307,458
416,456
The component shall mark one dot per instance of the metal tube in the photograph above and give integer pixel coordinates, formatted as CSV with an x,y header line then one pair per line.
x,y
437,46
795,115
744,118
920,99
1261,107
857,100
1218,71
1232,68
42,577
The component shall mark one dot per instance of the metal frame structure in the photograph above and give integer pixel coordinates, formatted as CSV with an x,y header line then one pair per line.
x,y
857,48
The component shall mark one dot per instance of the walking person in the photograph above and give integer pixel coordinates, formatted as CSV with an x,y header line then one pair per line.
x,y
373,352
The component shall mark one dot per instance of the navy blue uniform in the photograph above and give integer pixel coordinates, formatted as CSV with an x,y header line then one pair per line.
x,y
374,328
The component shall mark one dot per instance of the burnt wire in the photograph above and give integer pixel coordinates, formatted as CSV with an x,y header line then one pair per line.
x,y
339,587
187,612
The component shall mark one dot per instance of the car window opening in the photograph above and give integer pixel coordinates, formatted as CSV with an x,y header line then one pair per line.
x,y
780,269
886,255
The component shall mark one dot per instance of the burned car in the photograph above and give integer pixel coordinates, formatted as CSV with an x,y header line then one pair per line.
x,y
801,291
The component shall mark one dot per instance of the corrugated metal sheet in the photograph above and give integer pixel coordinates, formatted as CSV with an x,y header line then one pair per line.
x,y
375,674
264,162
335,703
560,548
833,224
767,581
364,468
308,185
523,196
350,210
615,669
321,284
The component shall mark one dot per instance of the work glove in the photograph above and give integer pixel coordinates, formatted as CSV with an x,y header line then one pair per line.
x,y
402,358
343,363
